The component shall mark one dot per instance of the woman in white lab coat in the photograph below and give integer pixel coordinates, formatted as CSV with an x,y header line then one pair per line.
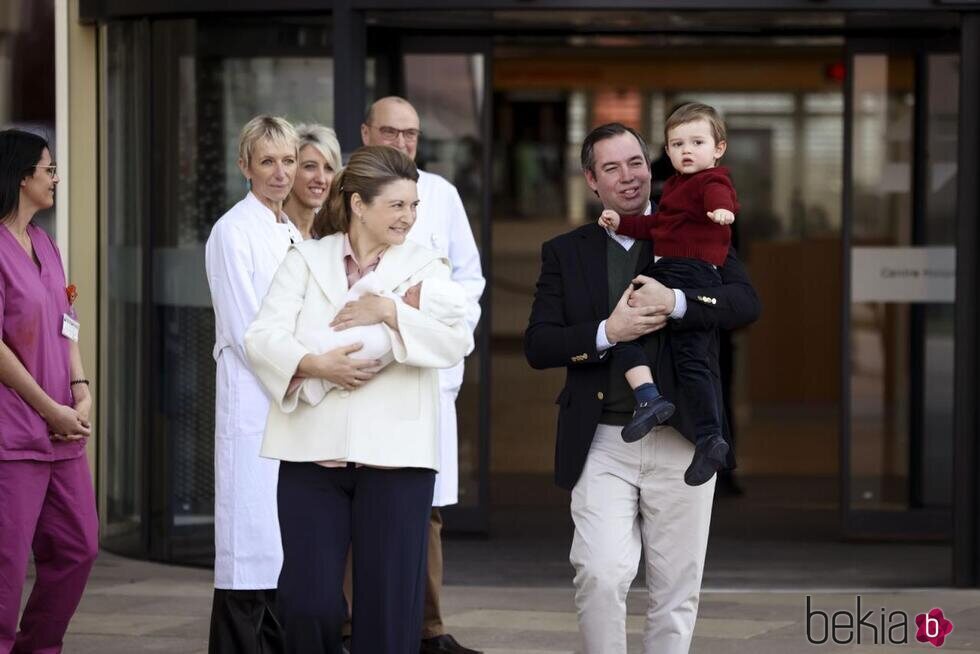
x,y
243,252
358,443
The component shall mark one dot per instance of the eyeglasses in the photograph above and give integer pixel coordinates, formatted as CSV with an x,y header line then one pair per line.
x,y
52,170
391,134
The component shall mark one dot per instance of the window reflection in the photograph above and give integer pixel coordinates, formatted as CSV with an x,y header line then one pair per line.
x,y
123,336
902,353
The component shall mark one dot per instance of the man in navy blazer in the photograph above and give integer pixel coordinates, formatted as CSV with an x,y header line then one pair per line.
x,y
626,497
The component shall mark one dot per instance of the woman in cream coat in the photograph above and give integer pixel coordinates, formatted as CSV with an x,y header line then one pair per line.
x,y
357,442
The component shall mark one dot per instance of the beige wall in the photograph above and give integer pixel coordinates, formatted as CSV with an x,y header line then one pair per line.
x,y
79,117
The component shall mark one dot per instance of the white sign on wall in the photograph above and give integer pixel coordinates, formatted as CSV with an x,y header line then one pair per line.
x,y
903,274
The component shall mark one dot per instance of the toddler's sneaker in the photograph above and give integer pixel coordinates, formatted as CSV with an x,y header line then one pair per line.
x,y
646,416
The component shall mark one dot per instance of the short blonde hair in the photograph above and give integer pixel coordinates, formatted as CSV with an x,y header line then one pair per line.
x,y
264,127
692,111
323,139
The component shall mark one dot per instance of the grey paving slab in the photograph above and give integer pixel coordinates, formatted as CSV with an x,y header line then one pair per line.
x,y
136,606
130,624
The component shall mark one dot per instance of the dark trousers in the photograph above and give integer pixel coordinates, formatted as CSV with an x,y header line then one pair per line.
x,y
244,622
432,625
691,350
383,517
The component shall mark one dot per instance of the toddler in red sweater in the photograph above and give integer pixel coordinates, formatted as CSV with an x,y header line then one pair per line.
x,y
690,236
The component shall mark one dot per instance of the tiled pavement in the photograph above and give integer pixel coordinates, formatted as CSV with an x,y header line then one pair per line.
x,y
135,606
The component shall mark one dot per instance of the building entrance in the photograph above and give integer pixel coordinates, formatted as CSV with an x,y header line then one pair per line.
x,y
810,379
839,146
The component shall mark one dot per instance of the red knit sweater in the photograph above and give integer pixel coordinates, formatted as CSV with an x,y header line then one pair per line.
x,y
681,227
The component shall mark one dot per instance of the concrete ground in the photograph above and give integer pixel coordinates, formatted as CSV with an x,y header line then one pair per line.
x,y
136,606
513,592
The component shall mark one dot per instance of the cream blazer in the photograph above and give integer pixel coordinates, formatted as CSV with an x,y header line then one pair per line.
x,y
391,421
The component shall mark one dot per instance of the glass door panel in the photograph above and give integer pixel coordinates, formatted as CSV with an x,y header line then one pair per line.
x,y
122,422
210,87
882,143
177,93
901,266
446,81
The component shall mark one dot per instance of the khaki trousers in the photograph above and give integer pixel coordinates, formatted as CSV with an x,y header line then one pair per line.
x,y
432,621
630,498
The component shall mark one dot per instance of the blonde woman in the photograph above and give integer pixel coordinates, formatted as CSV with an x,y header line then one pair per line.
x,y
358,443
319,161
243,252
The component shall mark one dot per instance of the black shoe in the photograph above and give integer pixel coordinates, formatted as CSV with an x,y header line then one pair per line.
x,y
444,644
710,456
646,416
345,645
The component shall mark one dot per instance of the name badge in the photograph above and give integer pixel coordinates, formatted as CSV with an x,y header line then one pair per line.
x,y
69,327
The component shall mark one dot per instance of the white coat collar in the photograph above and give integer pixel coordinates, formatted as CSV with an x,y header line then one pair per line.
x,y
256,208
325,258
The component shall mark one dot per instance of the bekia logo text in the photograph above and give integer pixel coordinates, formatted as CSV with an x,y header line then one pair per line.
x,y
873,626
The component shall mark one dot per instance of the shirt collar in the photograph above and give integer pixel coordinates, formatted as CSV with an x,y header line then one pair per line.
x,y
253,200
349,253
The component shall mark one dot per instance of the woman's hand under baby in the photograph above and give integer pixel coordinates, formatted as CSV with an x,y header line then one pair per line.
x,y
339,367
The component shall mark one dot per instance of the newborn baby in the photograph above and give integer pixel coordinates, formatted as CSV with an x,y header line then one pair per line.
x,y
442,299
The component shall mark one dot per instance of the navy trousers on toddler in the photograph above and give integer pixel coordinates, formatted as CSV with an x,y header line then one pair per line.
x,y
691,350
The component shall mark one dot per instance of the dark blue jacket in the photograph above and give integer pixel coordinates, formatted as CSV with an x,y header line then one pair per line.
x,y
572,298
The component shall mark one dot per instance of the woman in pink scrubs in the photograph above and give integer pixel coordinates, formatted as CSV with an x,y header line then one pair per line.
x,y
47,503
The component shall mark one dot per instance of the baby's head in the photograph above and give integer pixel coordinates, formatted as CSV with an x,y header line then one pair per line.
x,y
694,138
413,296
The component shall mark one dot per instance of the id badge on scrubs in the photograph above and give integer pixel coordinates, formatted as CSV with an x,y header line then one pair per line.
x,y
69,327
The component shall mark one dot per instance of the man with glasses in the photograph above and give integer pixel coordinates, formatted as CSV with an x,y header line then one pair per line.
x,y
441,225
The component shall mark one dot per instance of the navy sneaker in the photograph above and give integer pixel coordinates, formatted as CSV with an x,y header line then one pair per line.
x,y
710,455
646,416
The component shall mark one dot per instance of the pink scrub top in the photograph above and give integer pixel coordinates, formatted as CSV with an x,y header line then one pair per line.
x,y
33,302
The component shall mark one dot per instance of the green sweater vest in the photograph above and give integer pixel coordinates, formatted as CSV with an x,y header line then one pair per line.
x,y
621,267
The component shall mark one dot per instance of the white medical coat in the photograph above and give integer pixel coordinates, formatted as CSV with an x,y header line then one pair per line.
x,y
242,254
441,224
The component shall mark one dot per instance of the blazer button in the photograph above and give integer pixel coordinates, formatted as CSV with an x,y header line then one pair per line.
x,y
599,395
